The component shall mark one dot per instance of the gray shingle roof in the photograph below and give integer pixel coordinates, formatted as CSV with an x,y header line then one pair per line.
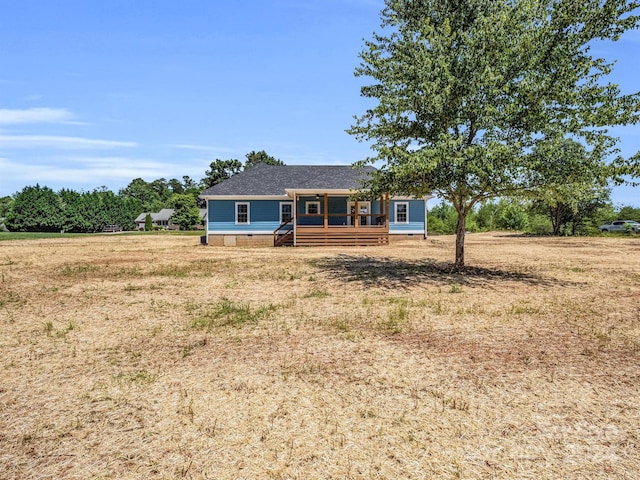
x,y
162,215
270,180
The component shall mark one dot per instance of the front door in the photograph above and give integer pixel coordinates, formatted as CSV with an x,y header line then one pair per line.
x,y
364,211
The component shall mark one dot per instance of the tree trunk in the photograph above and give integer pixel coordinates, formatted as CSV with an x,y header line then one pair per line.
x,y
554,213
460,232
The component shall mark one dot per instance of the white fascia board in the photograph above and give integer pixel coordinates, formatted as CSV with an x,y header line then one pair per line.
x,y
244,197
318,191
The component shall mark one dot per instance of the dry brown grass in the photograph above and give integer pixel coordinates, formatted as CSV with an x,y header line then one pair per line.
x,y
154,357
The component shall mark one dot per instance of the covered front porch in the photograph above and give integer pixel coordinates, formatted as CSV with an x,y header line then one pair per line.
x,y
332,218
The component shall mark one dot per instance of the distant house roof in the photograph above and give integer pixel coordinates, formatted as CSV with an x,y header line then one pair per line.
x,y
141,217
162,216
275,180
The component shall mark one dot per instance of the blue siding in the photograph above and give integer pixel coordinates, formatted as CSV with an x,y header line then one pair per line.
x,y
416,217
336,205
264,216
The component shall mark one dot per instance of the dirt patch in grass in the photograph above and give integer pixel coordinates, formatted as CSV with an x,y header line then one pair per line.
x,y
155,357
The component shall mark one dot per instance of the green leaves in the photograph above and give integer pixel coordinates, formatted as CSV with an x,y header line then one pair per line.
x,y
186,213
464,90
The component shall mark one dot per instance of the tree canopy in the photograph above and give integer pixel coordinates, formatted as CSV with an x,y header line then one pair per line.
x,y
186,212
40,209
220,170
465,90
254,158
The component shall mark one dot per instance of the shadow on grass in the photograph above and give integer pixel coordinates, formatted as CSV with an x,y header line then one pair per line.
x,y
394,273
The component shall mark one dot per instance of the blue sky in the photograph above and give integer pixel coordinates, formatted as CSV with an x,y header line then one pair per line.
x,y
97,93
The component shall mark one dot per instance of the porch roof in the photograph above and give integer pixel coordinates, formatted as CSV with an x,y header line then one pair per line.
x,y
279,180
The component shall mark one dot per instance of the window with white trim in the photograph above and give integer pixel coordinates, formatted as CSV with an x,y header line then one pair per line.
x,y
312,208
286,212
242,212
402,212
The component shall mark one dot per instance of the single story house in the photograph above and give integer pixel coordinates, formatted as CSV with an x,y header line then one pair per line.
x,y
303,205
162,219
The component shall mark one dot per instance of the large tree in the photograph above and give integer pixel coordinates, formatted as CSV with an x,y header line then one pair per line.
x,y
465,89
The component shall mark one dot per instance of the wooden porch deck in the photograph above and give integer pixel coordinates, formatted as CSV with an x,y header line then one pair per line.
x,y
316,236
341,235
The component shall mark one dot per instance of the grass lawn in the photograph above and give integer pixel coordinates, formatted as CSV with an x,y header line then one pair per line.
x,y
40,236
150,356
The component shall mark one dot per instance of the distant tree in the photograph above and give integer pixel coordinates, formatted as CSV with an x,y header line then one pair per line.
x,y
188,183
220,170
148,223
513,215
176,186
568,182
5,205
254,158
488,215
145,193
187,213
163,189
35,209
441,218
628,212
77,212
117,210
192,188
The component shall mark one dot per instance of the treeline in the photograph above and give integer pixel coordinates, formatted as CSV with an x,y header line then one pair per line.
x,y
565,210
531,216
40,209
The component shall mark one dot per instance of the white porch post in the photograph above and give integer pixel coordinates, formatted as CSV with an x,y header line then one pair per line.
x,y
295,219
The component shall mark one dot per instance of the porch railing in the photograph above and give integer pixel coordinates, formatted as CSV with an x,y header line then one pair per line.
x,y
283,235
365,220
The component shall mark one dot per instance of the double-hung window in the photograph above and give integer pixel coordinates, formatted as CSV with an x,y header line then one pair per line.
x,y
242,213
402,212
286,212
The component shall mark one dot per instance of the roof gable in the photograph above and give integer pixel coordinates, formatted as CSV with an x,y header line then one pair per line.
x,y
273,180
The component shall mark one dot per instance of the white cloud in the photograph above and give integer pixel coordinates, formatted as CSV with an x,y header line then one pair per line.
x,y
35,115
61,142
203,148
79,172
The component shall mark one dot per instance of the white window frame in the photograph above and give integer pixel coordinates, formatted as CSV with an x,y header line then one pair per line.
x,y
282,204
248,222
306,207
395,212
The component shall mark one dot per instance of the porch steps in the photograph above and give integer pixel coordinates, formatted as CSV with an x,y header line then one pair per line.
x,y
283,239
